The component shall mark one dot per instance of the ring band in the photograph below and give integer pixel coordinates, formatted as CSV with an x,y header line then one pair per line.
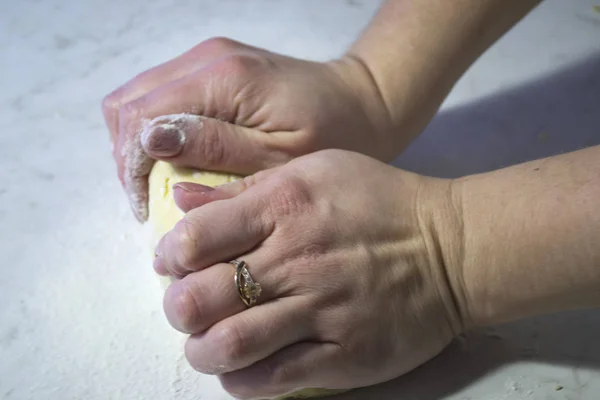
x,y
247,288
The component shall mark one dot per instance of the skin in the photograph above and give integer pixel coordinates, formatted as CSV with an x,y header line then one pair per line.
x,y
262,109
335,277
367,271
355,298
255,110
538,249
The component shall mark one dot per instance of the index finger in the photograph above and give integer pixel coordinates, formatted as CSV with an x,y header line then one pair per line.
x,y
233,223
180,66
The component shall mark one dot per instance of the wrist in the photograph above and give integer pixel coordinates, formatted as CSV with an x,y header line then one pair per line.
x,y
530,238
357,78
478,255
410,90
439,207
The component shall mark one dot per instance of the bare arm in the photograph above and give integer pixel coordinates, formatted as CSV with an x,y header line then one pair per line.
x,y
416,50
531,239
529,235
252,109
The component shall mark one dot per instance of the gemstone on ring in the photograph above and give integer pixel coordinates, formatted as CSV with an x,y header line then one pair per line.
x,y
248,289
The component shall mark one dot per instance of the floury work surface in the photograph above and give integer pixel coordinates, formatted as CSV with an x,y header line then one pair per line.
x,y
80,307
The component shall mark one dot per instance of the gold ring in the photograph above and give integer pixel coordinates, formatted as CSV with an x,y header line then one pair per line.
x,y
247,288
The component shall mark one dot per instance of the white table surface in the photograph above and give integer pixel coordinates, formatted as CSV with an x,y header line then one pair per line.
x,y
80,307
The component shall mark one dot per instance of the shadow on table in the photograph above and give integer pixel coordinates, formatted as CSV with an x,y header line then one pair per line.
x,y
569,339
553,115
556,114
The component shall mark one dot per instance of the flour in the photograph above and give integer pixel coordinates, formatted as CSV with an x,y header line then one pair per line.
x,y
173,122
138,164
137,167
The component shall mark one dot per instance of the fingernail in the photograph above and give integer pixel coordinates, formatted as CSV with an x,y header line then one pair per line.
x,y
165,140
192,187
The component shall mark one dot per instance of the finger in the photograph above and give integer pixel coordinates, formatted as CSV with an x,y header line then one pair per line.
x,y
192,60
221,89
189,195
249,336
193,141
216,232
133,169
201,299
302,365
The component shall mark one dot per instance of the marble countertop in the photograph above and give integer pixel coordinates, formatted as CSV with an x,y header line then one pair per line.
x,y
80,307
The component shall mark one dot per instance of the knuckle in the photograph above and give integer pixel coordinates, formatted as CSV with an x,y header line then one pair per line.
x,y
219,43
281,373
235,388
184,241
290,196
191,356
110,103
250,180
141,78
131,110
239,65
129,116
272,382
212,149
259,176
183,307
234,344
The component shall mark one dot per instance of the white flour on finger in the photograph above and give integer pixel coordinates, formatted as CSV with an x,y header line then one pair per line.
x,y
137,167
138,164
172,121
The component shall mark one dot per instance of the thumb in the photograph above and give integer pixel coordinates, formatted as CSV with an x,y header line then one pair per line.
x,y
194,141
190,195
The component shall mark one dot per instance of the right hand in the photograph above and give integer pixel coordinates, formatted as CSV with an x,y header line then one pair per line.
x,y
360,282
229,107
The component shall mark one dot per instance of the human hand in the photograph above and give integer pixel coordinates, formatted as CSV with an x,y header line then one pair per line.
x,y
348,253
234,108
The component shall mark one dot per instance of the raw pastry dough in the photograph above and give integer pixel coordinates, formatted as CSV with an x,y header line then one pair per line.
x,y
164,214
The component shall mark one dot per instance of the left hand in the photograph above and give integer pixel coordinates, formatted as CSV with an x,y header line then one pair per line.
x,y
244,110
346,250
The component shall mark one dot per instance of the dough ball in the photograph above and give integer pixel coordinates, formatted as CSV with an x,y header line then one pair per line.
x,y
164,214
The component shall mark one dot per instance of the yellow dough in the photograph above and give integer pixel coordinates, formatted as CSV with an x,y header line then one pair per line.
x,y
164,214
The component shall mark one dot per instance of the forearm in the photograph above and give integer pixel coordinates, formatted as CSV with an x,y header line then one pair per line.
x,y
415,51
531,238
